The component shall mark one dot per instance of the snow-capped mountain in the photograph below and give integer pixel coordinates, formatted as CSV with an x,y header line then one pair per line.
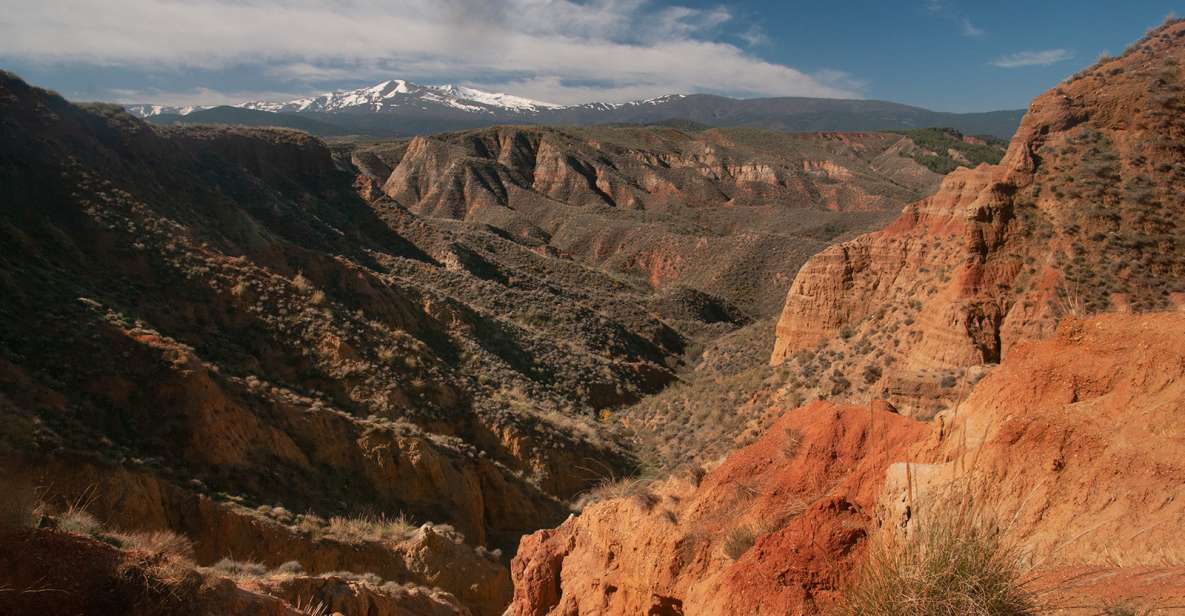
x,y
398,108
398,95
654,102
148,111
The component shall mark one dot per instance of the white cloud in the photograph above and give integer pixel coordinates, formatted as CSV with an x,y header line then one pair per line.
x,y
754,36
194,96
966,27
969,29
1032,58
631,45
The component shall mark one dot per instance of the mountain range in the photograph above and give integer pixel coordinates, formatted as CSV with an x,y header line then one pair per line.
x,y
397,108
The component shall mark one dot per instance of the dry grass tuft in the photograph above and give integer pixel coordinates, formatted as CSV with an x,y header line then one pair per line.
x,y
366,529
739,540
80,522
633,488
238,570
160,561
310,608
954,560
158,543
792,443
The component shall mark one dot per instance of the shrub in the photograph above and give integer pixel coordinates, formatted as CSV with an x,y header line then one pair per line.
x,y
645,499
738,541
363,529
77,521
238,569
793,442
954,561
291,567
158,543
839,384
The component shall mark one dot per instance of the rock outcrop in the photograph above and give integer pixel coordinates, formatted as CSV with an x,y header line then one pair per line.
x,y
1072,444
773,530
1075,440
1082,215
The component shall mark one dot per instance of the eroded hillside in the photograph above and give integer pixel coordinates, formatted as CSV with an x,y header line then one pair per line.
x,y
714,220
728,212
240,337
1015,413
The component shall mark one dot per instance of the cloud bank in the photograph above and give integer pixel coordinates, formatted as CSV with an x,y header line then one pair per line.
x,y
556,50
1032,58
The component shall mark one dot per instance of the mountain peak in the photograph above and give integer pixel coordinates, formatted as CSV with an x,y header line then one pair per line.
x,y
396,95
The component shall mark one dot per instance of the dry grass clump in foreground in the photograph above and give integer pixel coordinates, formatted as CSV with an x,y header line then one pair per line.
x,y
363,529
739,540
638,489
953,561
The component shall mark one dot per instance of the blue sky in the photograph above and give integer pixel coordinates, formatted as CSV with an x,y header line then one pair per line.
x,y
949,55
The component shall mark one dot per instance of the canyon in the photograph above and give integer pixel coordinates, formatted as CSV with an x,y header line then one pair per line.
x,y
998,386
565,370
388,359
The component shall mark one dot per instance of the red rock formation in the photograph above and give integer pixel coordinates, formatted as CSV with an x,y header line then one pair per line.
x,y
1085,205
1072,444
1076,441
803,495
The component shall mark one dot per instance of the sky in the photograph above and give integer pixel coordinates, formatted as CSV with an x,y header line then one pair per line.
x,y
946,55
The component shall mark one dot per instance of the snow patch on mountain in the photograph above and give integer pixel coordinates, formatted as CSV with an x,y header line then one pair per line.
x,y
148,111
397,94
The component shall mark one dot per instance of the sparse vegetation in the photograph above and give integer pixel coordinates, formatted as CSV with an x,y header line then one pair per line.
x,y
952,559
739,540
373,529
792,443
946,149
